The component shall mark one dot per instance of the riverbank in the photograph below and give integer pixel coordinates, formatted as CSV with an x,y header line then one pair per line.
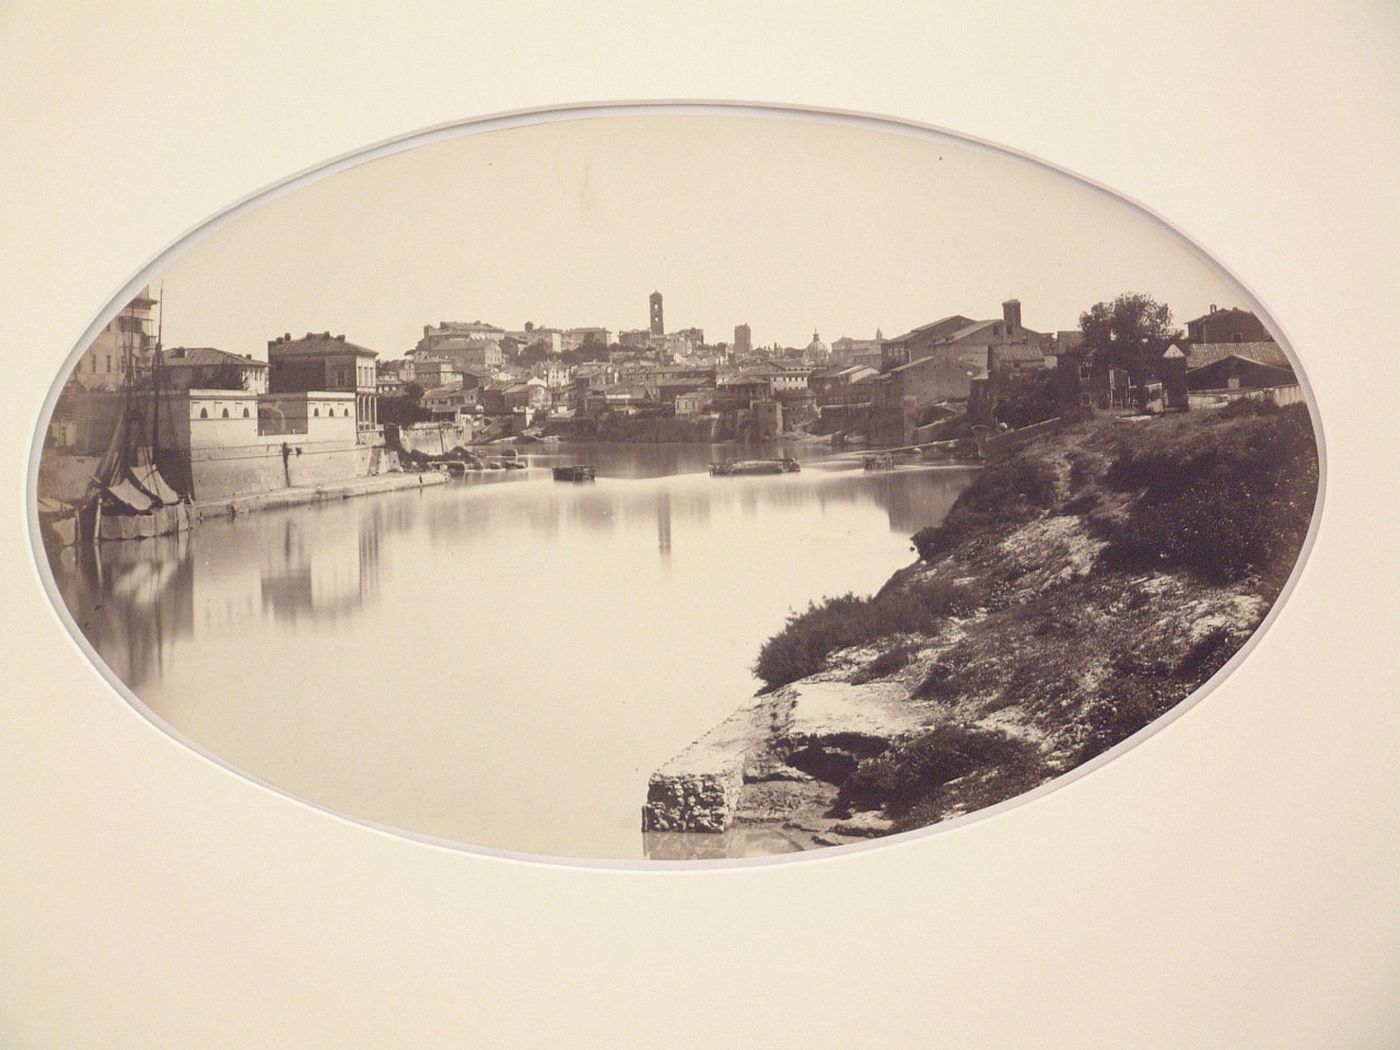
x,y
300,495
1079,589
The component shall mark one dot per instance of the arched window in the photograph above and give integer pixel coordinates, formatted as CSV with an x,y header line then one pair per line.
x,y
315,411
346,412
245,411
203,413
225,413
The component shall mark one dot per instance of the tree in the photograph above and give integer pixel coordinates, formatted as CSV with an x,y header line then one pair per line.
x,y
1030,400
402,411
225,376
1131,333
413,391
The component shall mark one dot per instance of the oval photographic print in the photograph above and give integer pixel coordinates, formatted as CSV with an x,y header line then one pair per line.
x,y
679,485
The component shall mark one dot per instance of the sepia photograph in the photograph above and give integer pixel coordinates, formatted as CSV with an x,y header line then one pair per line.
x,y
680,486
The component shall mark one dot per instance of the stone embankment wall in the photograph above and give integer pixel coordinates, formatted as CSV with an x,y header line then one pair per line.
x,y
434,439
241,470
216,444
1290,394
1007,442
770,756
698,800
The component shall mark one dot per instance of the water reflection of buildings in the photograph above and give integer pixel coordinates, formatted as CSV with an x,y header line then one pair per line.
x,y
318,572
226,579
134,601
131,601
663,523
911,499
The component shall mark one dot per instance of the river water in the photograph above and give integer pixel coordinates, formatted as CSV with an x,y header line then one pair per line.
x,y
502,660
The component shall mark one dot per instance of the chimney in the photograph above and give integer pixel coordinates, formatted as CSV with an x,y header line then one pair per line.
x,y
1011,314
1212,308
340,338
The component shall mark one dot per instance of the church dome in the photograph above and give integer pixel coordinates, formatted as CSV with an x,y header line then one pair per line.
x,y
816,347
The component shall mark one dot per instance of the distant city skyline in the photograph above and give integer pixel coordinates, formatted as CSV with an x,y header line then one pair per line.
x,y
787,226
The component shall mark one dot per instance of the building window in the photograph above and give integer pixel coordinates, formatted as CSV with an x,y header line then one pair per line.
x,y
109,362
245,412
315,411
225,413
203,413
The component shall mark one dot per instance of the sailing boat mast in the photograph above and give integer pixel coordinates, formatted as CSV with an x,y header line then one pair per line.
x,y
156,369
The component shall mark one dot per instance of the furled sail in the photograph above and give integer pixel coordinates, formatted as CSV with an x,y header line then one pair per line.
x,y
125,491
154,484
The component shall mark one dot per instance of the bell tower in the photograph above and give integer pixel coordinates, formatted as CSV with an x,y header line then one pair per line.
x,y
658,324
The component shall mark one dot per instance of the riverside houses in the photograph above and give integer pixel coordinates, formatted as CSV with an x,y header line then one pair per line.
x,y
938,362
204,367
958,338
126,344
1228,325
1238,366
323,362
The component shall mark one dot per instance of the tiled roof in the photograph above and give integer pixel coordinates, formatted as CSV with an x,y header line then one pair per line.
x,y
314,343
949,329
192,356
942,326
1263,353
1017,352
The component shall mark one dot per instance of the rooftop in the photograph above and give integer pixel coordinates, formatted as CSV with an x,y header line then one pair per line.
x,y
193,356
1263,353
313,343
1018,352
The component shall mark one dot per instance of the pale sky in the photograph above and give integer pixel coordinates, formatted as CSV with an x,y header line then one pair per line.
x,y
787,225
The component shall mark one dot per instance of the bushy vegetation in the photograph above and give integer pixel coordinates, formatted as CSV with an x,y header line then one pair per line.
x,y
912,775
1227,502
402,412
1006,492
887,663
808,638
1032,401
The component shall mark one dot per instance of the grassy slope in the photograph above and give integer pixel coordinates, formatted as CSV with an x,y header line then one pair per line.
x,y
1077,591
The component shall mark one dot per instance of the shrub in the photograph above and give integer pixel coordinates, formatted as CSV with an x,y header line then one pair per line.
x,y
1246,407
1008,491
1231,503
914,773
1032,402
808,638
886,664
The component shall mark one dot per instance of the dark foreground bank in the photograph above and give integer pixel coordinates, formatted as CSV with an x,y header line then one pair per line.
x,y
1076,592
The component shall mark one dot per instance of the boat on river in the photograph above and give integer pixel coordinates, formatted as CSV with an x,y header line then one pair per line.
x,y
575,472
129,498
734,467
